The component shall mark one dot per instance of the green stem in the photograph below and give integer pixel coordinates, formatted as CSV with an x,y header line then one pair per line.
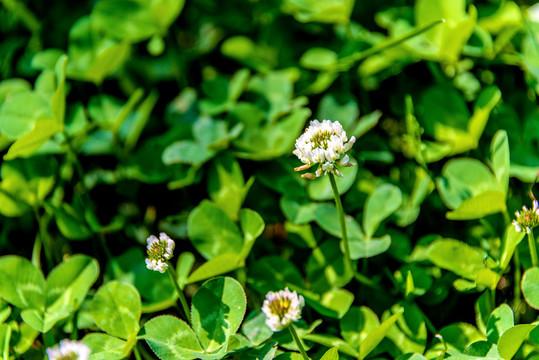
x,y
241,276
442,340
86,192
144,353
429,324
348,259
76,161
44,238
36,252
366,281
298,341
173,278
348,61
506,218
533,249
26,16
7,338
103,242
48,339
516,287
75,329
136,352
340,211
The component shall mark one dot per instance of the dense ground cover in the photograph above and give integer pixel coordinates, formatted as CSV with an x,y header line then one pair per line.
x,y
120,119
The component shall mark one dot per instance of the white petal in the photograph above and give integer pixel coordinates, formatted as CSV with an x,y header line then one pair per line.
x,y
349,144
53,354
344,161
151,240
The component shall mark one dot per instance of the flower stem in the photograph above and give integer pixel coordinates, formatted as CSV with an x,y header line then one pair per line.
x,y
348,259
340,211
533,249
173,278
36,252
6,339
136,352
44,237
75,160
366,281
516,287
85,191
298,341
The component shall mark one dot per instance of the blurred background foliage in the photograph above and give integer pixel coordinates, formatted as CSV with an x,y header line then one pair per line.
x,y
122,118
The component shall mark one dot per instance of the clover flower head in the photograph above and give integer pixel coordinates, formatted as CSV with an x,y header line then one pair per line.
x,y
324,143
533,13
69,350
156,265
282,308
527,218
159,251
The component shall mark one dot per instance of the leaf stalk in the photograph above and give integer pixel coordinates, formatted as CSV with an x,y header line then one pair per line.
x,y
298,342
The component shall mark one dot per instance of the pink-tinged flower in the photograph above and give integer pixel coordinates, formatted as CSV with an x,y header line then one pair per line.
x,y
159,251
282,308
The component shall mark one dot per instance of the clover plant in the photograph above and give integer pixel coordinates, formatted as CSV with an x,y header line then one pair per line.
x,y
329,179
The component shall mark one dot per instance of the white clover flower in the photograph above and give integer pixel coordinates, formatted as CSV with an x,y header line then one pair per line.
x,y
69,350
324,143
533,13
282,308
159,251
156,265
527,219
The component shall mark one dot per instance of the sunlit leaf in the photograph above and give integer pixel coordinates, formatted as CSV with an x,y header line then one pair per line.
x,y
116,308
217,311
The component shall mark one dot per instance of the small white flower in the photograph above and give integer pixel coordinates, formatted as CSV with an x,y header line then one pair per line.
x,y
533,13
69,350
159,251
517,226
282,308
527,218
324,143
156,265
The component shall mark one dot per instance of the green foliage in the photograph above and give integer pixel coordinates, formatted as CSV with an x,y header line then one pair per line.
x,y
217,311
104,346
384,201
116,309
529,287
463,260
45,302
213,232
512,339
374,338
171,338
125,118
331,354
